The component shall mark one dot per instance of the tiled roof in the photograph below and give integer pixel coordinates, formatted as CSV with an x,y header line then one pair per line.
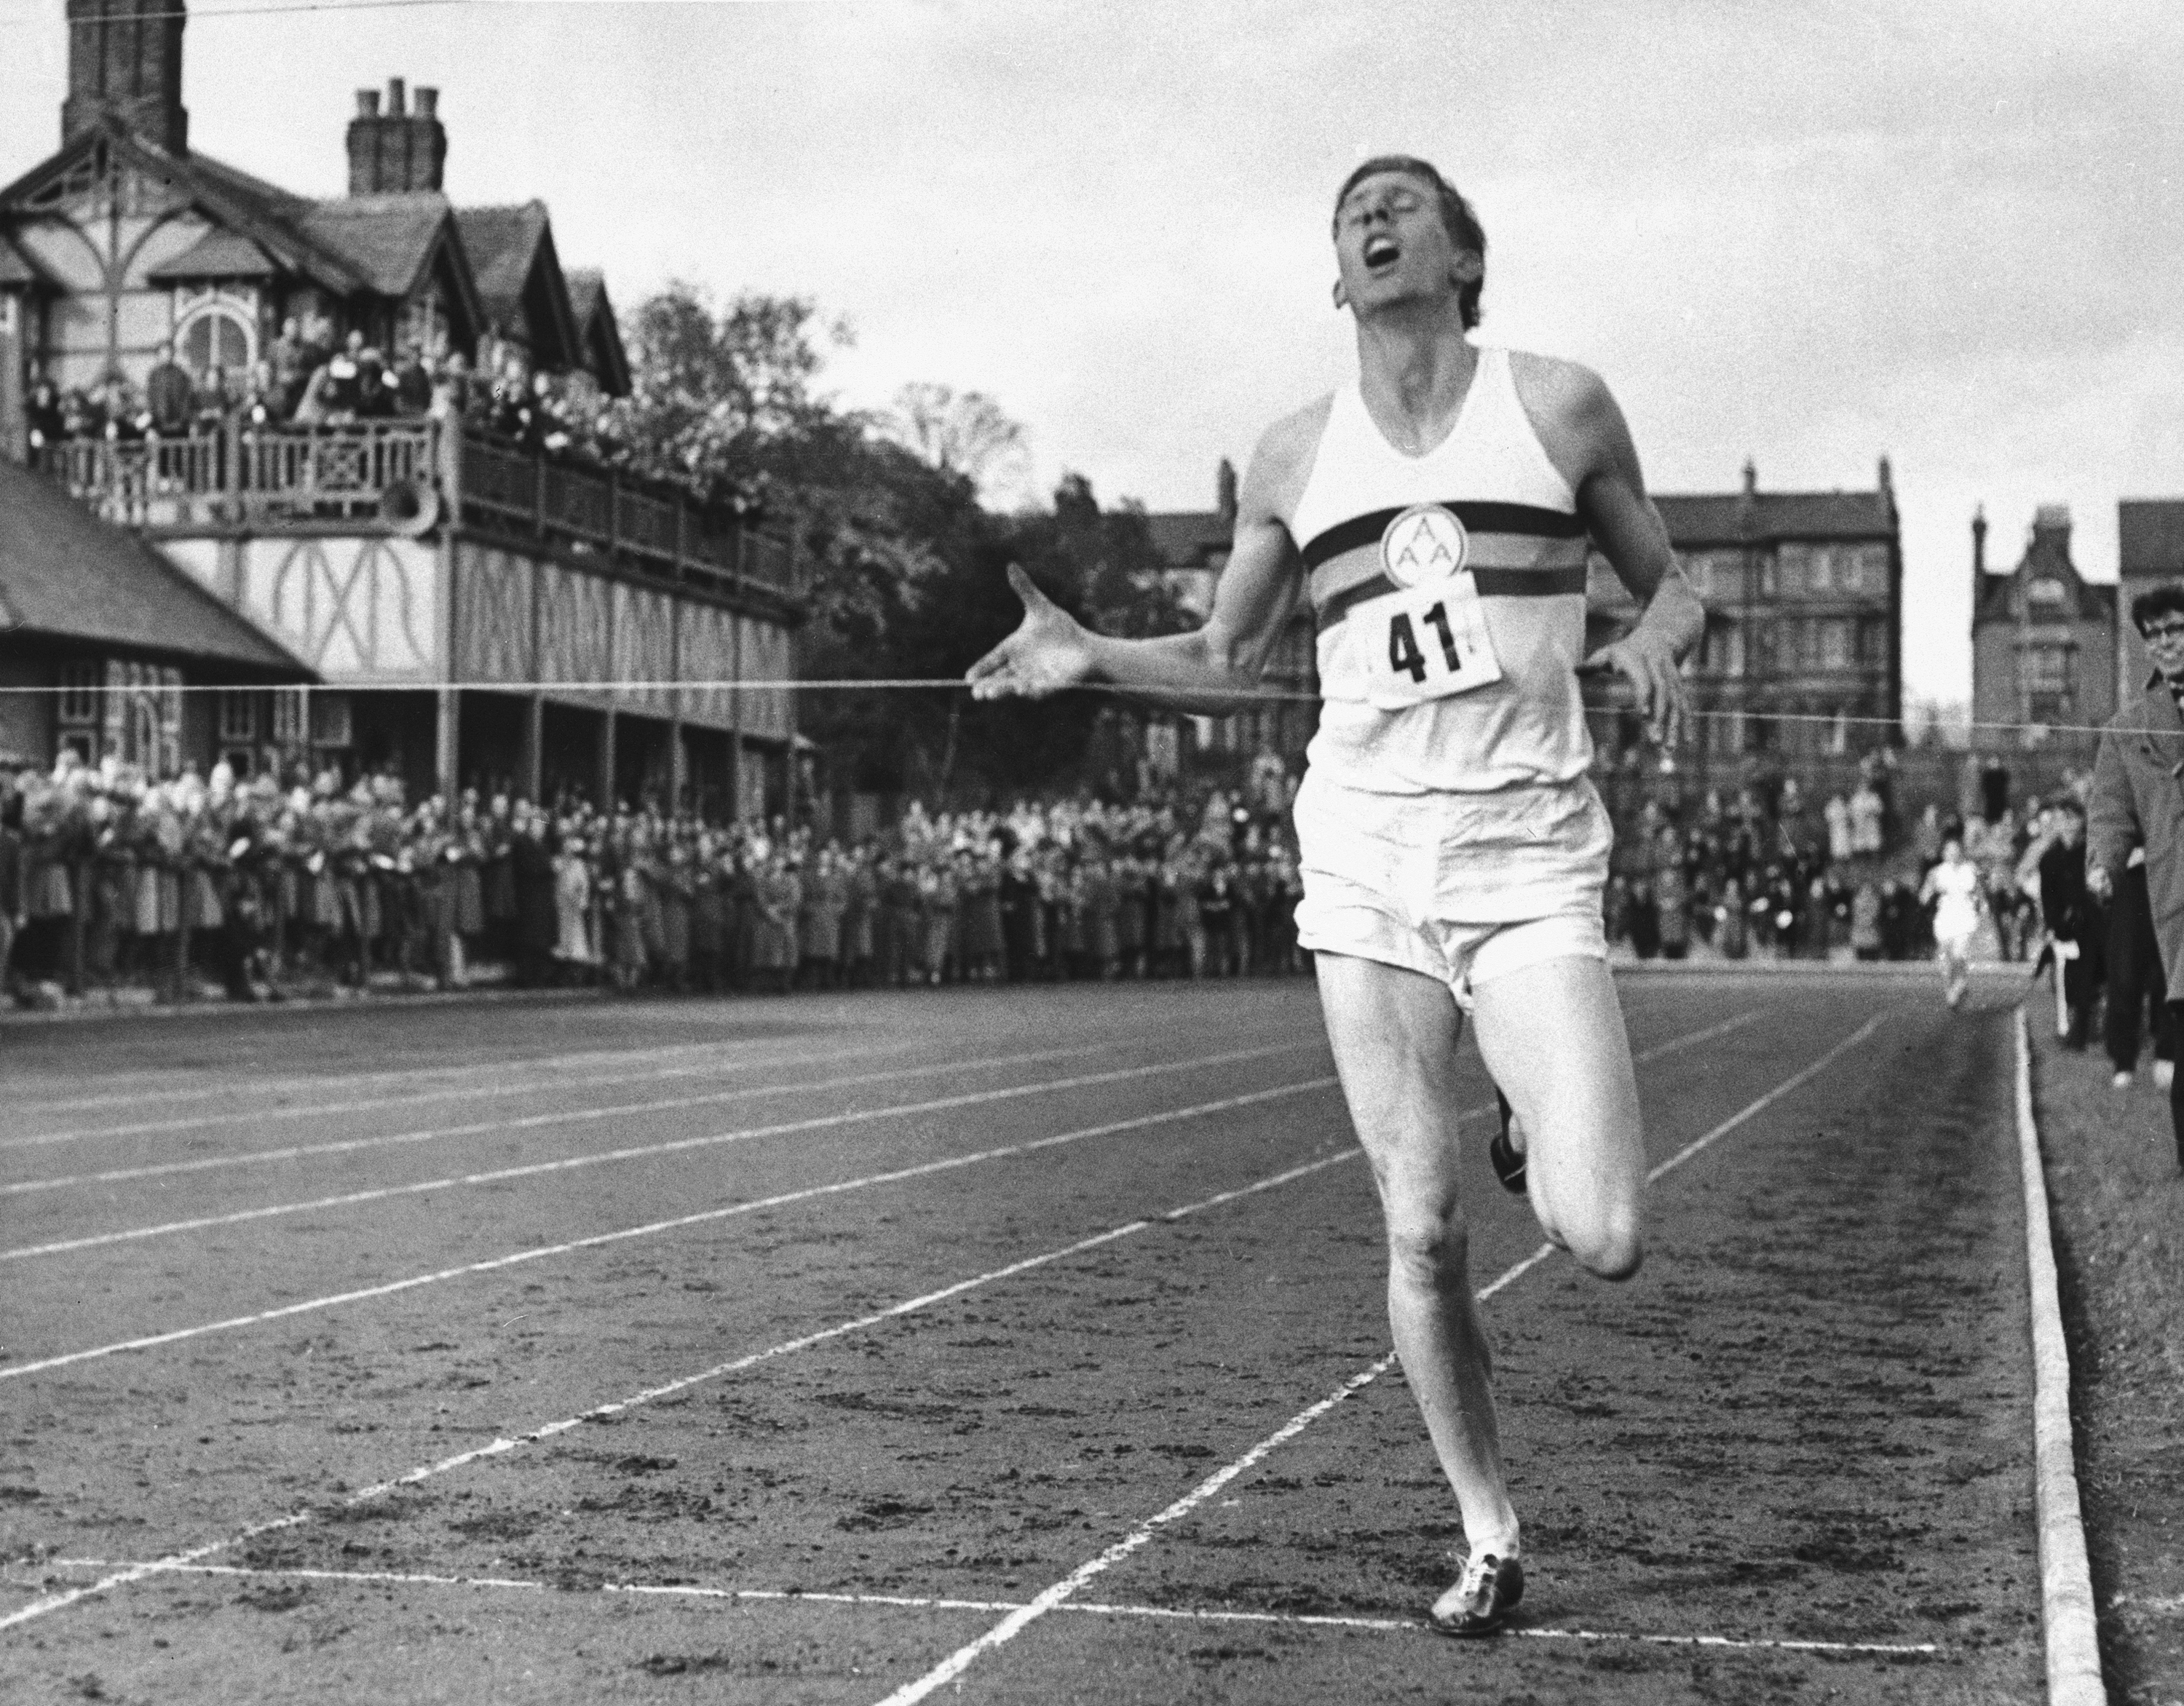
x,y
2150,535
387,239
218,254
1735,518
2048,556
503,244
65,573
599,337
588,289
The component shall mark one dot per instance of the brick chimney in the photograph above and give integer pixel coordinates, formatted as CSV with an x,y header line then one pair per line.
x,y
398,150
125,63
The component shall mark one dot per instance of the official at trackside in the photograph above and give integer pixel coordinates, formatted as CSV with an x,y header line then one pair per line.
x,y
2138,798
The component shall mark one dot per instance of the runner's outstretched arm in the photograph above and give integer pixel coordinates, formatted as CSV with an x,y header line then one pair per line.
x,y
1210,671
1588,437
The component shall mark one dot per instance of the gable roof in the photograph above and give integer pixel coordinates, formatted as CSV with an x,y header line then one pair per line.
x,y
491,261
1738,518
2047,557
266,215
218,254
65,573
2150,537
388,239
518,270
598,332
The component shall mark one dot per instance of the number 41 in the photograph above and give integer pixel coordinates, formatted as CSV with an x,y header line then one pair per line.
x,y
1404,656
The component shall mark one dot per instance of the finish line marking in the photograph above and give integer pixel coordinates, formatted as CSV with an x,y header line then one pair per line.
x,y
1169,1614
948,1669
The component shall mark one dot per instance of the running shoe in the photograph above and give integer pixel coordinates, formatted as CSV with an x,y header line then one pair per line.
x,y
1483,1597
2165,1074
1507,1159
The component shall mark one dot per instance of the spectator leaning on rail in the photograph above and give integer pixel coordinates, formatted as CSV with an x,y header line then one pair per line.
x,y
2138,796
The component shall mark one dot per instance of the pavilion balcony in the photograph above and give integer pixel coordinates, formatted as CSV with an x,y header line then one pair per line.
x,y
406,476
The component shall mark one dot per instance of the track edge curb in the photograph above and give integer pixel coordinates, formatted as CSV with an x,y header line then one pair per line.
x,y
2066,1588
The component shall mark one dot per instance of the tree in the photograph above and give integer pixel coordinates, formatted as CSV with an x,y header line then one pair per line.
x,y
964,433
904,569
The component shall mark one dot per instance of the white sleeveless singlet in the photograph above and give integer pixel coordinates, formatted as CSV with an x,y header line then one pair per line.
x,y
1449,593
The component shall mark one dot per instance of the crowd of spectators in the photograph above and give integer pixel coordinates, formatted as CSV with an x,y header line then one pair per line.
x,y
107,878
1764,873
309,377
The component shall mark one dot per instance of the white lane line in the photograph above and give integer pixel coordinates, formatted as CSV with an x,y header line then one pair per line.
x,y
532,1122
670,1145
229,1118
494,1264
1772,1097
180,1560
196,1554
1066,1588
1083,1607
2066,1583
167,1095
536,1121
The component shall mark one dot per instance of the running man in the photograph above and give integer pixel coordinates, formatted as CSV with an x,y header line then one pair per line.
x,y
1953,888
1436,515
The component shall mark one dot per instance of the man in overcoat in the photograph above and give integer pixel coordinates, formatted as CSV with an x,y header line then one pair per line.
x,y
2138,797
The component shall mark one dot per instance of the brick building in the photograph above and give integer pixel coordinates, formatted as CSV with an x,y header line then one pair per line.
x,y
1804,596
2044,639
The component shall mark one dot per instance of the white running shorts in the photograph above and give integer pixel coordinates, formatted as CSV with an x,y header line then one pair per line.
x,y
1460,887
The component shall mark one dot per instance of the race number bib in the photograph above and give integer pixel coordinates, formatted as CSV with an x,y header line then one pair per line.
x,y
1429,638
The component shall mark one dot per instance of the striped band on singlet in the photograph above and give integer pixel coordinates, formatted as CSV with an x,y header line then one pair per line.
x,y
1515,551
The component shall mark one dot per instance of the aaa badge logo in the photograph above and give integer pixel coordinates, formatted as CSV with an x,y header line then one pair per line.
x,y
1426,543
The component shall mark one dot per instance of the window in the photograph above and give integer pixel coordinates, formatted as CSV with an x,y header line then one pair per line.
x,y
238,716
330,722
78,705
1771,582
144,722
288,716
2047,670
1699,571
1834,644
1850,571
1823,572
215,338
2045,594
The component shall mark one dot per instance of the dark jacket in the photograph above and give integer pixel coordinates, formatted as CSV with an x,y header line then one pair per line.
x,y
2063,890
2138,801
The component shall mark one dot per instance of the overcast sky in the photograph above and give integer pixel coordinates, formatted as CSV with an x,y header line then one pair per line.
x,y
1814,235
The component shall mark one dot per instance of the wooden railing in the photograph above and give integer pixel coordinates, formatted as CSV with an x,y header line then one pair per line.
x,y
296,477
652,527
246,476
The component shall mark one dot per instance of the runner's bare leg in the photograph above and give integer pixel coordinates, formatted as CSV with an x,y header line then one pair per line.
x,y
1552,1036
1394,1034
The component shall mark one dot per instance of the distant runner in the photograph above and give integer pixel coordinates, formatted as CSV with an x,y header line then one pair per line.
x,y
1436,514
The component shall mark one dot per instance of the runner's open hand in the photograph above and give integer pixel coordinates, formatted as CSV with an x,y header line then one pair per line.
x,y
1049,652
1649,664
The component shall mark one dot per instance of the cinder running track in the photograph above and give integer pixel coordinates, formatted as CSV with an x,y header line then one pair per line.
x,y
1008,1345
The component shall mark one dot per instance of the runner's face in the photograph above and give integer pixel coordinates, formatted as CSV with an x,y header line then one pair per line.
x,y
1390,245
